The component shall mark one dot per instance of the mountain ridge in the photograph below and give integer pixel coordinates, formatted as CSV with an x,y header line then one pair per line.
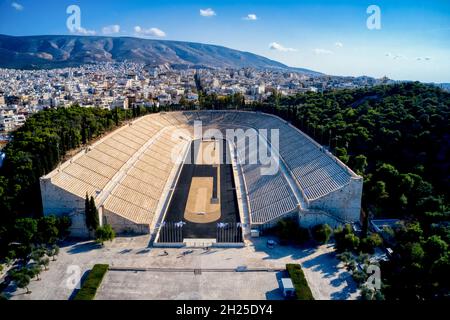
x,y
59,51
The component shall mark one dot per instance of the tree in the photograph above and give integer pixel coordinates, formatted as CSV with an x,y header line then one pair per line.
x,y
431,204
366,293
104,233
435,247
48,230
10,256
21,278
439,271
63,226
411,232
346,257
351,241
92,219
87,212
342,154
44,262
371,294
368,244
322,233
34,271
53,251
379,191
94,212
360,164
414,252
25,230
37,254
345,239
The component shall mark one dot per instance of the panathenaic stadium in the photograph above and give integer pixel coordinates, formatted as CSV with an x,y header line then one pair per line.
x,y
216,175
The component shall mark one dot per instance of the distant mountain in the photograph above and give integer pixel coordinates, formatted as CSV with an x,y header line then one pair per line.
x,y
42,52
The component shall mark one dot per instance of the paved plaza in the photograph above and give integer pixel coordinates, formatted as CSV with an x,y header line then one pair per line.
x,y
188,286
142,272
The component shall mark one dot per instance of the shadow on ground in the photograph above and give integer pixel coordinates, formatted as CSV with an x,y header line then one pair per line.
x,y
277,294
84,247
281,251
322,264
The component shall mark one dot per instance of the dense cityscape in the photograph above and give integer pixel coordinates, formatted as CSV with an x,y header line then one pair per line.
x,y
119,85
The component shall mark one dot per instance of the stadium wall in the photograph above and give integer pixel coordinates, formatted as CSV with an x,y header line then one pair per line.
x,y
59,202
122,225
344,204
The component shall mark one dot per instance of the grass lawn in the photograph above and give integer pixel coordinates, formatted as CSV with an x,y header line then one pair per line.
x,y
93,281
297,276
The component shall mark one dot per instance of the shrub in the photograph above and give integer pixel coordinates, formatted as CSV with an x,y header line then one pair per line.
x,y
93,281
63,226
47,231
369,243
105,233
359,276
289,230
322,233
346,257
371,294
351,241
339,237
302,289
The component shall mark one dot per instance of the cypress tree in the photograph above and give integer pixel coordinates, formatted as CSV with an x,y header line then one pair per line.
x,y
94,214
87,211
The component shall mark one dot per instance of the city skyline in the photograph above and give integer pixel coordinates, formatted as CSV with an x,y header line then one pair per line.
x,y
332,39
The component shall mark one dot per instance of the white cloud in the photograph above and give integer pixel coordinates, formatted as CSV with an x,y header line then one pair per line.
x,y
115,28
278,47
339,45
207,12
85,32
251,17
322,51
154,32
17,6
395,56
403,57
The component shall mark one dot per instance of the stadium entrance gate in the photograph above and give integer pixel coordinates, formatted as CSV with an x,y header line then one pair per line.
x,y
172,232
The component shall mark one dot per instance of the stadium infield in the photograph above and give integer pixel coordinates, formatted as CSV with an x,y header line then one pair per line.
x,y
205,193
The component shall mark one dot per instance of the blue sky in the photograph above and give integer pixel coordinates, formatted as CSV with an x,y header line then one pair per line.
x,y
324,35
